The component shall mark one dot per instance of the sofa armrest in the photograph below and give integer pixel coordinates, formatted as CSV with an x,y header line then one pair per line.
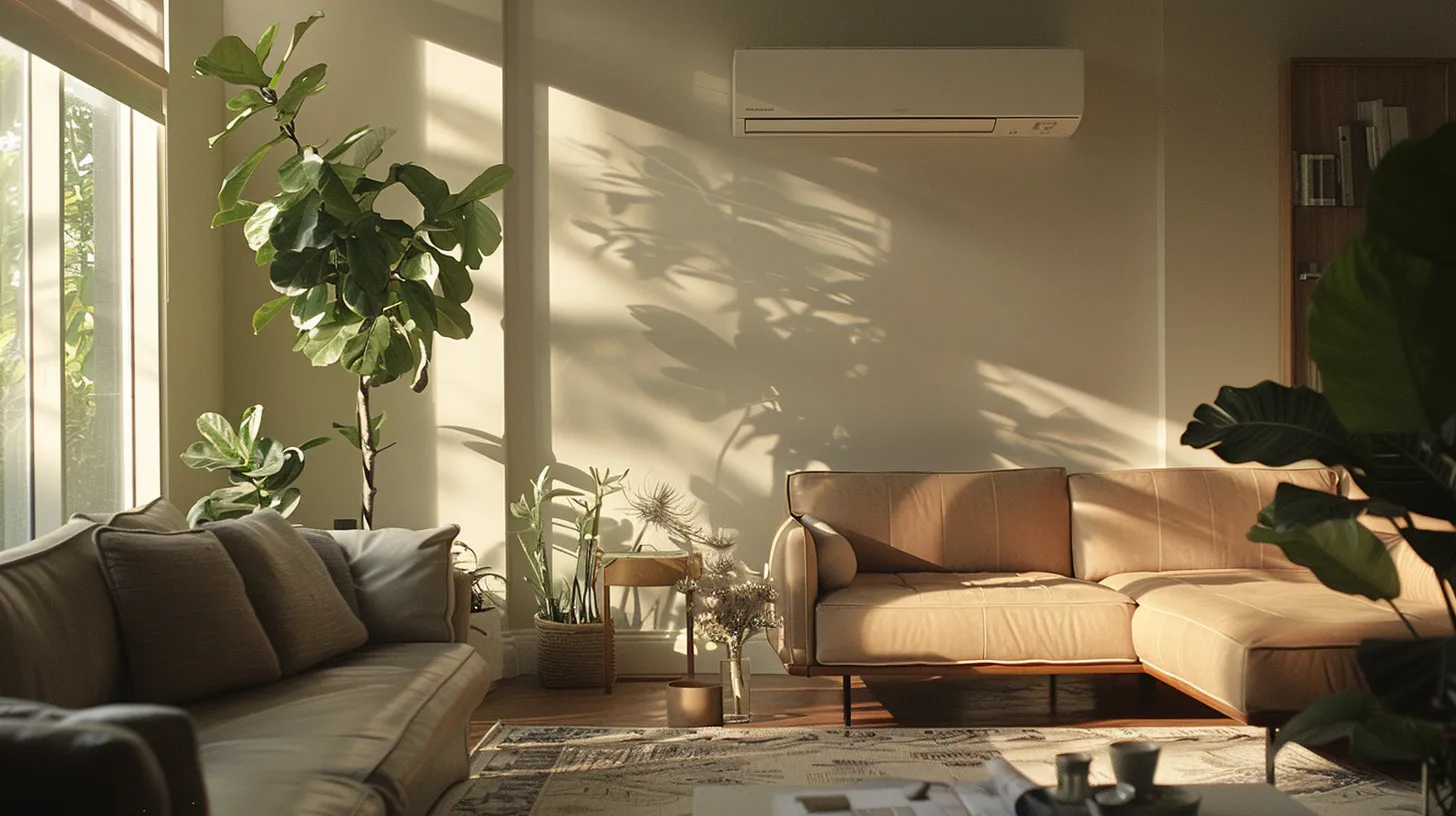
x,y
794,570
460,606
49,766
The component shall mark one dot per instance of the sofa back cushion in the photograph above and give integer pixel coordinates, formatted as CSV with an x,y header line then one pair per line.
x,y
988,521
59,642
1178,518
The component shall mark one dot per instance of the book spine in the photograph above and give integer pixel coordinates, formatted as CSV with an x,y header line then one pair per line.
x,y
1359,161
1398,117
1347,168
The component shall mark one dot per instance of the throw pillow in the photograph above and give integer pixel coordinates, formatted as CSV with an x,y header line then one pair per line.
x,y
158,515
303,613
335,562
837,562
186,623
405,582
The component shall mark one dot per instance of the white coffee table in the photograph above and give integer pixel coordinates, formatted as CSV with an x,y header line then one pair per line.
x,y
1218,800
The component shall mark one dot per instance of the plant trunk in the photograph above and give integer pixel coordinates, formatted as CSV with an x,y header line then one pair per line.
x,y
367,452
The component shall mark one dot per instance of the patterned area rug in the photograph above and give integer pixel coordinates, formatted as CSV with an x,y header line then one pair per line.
x,y
549,770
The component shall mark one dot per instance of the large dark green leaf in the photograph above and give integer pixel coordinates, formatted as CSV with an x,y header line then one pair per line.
x,y
310,310
335,192
265,313
455,282
300,171
1381,332
452,320
325,343
218,432
482,234
1375,735
304,85
1342,553
298,32
1435,547
265,44
267,459
304,226
1411,470
488,183
378,351
237,178
1410,200
1272,424
235,123
249,427
367,283
1409,676
348,141
421,266
241,211
419,302
232,61
260,223
371,146
429,190
294,273
288,472
1296,506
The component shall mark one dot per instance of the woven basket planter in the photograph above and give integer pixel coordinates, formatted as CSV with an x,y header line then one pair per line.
x,y
570,655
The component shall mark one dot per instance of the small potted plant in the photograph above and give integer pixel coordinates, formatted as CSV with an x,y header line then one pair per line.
x,y
261,470
486,608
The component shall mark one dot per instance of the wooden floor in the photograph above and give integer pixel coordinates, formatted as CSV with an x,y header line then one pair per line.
x,y
779,700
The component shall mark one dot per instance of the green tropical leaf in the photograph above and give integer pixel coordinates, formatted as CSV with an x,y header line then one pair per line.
x,y
232,61
429,190
1436,547
310,310
265,313
1272,424
286,502
455,282
367,283
420,266
305,84
1409,201
233,124
1342,553
488,183
265,44
1374,735
268,459
237,178
294,273
218,432
304,226
348,141
351,432
287,474
419,302
242,211
205,456
1296,506
1381,332
313,443
452,320
249,426
1411,470
300,171
261,222
298,31
371,146
247,98
335,193
325,343
365,353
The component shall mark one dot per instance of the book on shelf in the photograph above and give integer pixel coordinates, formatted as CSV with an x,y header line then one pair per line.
x,y
1355,166
1397,122
1389,125
1317,182
1347,167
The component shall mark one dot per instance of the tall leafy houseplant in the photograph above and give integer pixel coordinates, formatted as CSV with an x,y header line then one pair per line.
x,y
363,291
1382,330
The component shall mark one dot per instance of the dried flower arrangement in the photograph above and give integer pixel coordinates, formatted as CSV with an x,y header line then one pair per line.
x,y
736,605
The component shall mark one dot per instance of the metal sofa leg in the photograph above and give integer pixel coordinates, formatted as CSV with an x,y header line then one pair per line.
x,y
848,708
1269,734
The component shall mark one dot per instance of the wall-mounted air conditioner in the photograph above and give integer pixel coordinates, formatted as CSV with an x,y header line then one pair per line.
x,y
907,91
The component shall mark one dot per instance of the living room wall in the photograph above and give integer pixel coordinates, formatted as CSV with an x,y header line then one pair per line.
x,y
724,310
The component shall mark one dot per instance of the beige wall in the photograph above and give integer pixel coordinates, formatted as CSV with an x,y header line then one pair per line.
x,y
1221,116
193,312
724,310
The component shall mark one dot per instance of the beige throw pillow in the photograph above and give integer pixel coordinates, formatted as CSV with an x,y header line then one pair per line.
x,y
837,562
335,562
188,629
405,582
306,618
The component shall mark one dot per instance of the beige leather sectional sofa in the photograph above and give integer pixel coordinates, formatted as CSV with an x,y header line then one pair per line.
x,y
380,729
1032,571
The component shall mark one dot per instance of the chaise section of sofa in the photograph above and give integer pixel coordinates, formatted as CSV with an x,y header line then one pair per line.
x,y
951,573
380,729
1227,620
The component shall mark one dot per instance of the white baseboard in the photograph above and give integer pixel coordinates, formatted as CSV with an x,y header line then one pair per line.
x,y
648,651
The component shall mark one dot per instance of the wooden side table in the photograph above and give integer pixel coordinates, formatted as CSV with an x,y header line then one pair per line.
x,y
644,569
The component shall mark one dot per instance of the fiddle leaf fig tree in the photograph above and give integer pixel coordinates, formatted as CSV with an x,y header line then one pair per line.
x,y
363,291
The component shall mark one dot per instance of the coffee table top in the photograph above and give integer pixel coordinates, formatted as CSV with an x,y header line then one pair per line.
x,y
1218,800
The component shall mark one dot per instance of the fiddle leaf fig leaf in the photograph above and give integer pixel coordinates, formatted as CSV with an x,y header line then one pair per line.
x,y
488,183
237,178
265,44
428,189
294,273
204,456
420,266
298,31
247,98
242,211
325,343
310,310
419,301
300,171
455,282
304,226
371,146
482,234
265,313
232,61
453,320
301,88
248,427
218,432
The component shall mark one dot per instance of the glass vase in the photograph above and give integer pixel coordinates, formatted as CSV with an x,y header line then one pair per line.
x,y
734,672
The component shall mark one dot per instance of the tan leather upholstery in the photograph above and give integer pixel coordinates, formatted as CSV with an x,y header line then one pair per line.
x,y
58,633
952,618
794,570
991,521
1259,640
1178,519
392,716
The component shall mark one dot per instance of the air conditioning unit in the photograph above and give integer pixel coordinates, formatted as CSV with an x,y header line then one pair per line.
x,y
907,91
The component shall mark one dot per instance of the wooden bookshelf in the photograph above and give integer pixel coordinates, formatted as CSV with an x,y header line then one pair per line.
x,y
1319,95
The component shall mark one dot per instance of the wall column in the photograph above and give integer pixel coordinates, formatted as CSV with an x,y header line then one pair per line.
x,y
527,296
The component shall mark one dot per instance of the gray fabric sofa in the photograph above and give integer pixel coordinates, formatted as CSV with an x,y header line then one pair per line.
x,y
379,730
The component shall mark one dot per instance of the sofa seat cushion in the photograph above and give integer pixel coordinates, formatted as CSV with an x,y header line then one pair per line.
x,y
1260,640
392,717
930,618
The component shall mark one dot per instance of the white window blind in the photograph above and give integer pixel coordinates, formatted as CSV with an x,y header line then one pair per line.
x,y
116,46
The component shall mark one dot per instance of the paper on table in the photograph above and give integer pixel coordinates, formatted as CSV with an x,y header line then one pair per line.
x,y
876,801
996,796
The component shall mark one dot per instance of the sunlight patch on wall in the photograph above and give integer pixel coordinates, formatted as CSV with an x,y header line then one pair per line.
x,y
1046,421
461,110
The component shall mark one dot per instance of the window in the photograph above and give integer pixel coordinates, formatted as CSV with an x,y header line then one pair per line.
x,y
78,299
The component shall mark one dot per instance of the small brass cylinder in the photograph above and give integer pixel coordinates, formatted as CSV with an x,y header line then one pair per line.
x,y
694,703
